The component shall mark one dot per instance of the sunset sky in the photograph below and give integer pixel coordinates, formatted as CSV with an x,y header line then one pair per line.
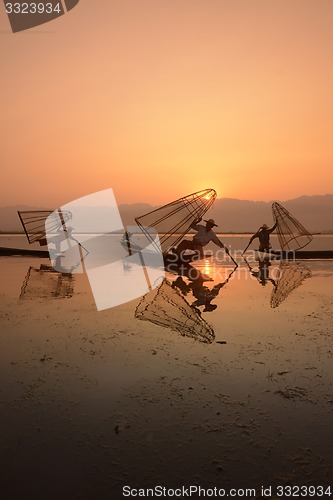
x,y
160,98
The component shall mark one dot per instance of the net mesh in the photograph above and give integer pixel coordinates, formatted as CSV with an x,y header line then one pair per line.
x,y
290,277
173,221
165,306
292,235
33,223
45,282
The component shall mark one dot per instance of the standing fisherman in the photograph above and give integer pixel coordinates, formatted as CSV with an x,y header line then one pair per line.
x,y
263,233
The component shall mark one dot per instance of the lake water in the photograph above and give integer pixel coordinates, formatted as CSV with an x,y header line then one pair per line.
x,y
92,401
232,241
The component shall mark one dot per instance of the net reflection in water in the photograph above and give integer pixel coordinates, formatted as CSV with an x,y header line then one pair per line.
x,y
45,282
292,235
166,307
290,277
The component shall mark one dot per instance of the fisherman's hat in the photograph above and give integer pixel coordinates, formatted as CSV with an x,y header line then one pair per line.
x,y
211,221
264,226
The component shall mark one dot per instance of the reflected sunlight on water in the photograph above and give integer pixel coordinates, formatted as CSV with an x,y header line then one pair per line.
x,y
129,391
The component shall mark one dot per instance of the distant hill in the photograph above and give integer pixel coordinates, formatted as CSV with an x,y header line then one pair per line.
x,y
314,212
9,220
232,215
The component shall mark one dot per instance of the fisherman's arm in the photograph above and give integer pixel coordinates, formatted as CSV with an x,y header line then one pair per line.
x,y
256,235
195,223
220,244
273,228
225,248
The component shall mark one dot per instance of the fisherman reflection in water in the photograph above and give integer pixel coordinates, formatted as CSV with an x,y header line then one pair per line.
x,y
262,275
203,294
200,292
204,235
263,233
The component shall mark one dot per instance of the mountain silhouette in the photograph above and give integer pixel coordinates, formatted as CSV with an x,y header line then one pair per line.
x,y
231,215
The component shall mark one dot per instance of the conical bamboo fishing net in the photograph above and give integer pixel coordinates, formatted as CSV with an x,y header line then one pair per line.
x,y
292,235
173,221
33,223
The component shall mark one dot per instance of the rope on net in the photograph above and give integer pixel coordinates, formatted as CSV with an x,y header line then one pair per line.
x,y
173,221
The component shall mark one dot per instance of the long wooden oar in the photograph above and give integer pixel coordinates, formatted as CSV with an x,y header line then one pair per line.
x,y
228,253
246,247
250,241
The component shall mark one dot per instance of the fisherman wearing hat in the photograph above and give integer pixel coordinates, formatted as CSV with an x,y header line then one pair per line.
x,y
263,234
203,236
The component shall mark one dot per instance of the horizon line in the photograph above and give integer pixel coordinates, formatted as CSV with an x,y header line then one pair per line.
x,y
221,198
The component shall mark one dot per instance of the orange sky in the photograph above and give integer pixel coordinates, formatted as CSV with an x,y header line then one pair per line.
x,y
160,98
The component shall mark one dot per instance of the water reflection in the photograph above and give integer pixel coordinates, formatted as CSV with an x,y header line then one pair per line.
x,y
166,306
202,293
187,270
262,274
45,282
290,276
287,278
196,294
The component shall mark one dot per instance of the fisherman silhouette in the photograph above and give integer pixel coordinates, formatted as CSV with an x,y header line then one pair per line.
x,y
204,234
65,234
263,234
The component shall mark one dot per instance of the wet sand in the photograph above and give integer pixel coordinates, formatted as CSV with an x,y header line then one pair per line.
x,y
92,401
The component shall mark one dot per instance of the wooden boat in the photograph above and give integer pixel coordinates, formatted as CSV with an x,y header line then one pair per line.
x,y
295,254
7,251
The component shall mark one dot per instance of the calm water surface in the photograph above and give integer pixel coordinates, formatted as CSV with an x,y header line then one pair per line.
x,y
105,399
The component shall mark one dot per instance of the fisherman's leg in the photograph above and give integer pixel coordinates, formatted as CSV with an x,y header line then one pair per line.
x,y
199,251
184,245
264,247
